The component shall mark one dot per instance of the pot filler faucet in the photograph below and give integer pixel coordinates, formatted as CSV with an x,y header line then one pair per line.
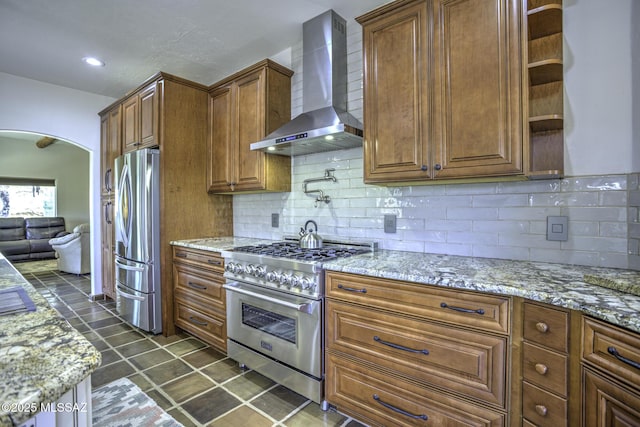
x,y
328,176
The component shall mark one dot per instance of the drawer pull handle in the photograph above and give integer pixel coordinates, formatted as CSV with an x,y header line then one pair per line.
x,y
197,286
542,327
398,410
542,410
400,347
181,255
612,351
197,322
213,262
362,291
542,369
479,311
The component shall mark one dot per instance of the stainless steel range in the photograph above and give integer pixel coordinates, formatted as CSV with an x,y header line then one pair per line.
x,y
275,298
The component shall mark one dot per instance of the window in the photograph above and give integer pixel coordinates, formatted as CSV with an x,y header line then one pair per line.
x,y
27,197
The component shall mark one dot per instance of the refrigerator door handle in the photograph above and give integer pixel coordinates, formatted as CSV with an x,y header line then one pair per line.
x,y
128,296
124,205
128,267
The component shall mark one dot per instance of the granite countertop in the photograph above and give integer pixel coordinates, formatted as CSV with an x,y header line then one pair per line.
x,y
41,355
605,293
219,244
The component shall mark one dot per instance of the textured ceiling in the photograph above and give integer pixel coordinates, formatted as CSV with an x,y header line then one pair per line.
x,y
201,40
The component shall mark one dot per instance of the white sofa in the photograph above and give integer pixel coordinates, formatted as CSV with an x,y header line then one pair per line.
x,y
73,251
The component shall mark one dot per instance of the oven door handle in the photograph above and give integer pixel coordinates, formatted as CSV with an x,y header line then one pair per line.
x,y
307,307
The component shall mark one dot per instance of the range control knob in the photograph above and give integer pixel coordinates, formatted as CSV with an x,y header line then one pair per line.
x,y
237,268
273,276
229,267
249,269
305,283
296,282
286,279
260,271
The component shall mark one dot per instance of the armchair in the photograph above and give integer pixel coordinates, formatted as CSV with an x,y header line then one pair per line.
x,y
73,251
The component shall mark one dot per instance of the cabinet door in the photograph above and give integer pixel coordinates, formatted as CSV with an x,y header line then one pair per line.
x,y
110,139
140,118
608,403
478,96
250,127
396,124
130,124
107,235
149,113
220,155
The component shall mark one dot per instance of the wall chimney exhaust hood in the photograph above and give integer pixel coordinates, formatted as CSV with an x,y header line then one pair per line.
x,y
325,124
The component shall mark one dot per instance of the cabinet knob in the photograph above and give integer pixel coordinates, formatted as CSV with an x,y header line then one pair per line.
x,y
438,166
542,369
542,327
541,410
424,168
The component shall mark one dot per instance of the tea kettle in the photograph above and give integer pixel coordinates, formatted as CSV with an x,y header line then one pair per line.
x,y
309,239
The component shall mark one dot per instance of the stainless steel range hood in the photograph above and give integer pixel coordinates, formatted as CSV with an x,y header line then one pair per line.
x,y
325,124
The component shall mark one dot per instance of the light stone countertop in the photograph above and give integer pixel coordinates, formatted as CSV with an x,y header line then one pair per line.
x,y
557,284
604,293
41,355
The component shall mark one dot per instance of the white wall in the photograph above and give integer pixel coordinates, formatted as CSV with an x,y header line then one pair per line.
x,y
29,105
65,163
599,86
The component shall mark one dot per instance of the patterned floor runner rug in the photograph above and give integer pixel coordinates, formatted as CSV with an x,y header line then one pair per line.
x,y
122,404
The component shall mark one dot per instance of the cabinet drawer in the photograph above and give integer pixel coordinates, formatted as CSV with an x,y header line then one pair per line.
x,y
459,360
545,368
612,349
608,403
200,258
211,329
206,287
543,408
490,313
379,399
546,326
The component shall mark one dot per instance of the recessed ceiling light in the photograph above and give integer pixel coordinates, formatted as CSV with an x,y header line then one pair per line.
x,y
93,61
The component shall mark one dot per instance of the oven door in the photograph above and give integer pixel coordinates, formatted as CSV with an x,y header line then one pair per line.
x,y
281,326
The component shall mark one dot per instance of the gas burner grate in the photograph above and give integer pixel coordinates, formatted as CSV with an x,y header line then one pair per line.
x,y
292,250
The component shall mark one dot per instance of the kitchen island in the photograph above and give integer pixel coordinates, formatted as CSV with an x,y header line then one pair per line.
x,y
42,358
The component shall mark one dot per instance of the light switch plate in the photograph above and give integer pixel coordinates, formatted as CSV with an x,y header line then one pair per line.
x,y
389,223
557,228
275,220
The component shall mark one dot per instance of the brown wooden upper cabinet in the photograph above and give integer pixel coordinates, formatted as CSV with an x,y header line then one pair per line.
x,y
140,119
443,90
243,109
110,137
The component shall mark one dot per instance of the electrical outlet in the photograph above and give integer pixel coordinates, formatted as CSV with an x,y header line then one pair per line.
x,y
275,220
558,228
389,223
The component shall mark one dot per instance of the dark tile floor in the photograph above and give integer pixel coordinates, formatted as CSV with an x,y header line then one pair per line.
x,y
196,384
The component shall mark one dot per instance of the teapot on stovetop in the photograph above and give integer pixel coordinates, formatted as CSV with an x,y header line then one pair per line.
x,y
309,239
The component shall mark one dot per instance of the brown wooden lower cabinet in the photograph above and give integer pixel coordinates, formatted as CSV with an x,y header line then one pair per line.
x,y
402,354
199,298
608,403
380,399
456,359
610,375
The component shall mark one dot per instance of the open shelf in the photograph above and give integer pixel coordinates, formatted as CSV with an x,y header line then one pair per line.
x,y
545,20
546,89
549,70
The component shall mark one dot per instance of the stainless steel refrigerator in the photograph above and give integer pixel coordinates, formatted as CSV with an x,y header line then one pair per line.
x,y
137,246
